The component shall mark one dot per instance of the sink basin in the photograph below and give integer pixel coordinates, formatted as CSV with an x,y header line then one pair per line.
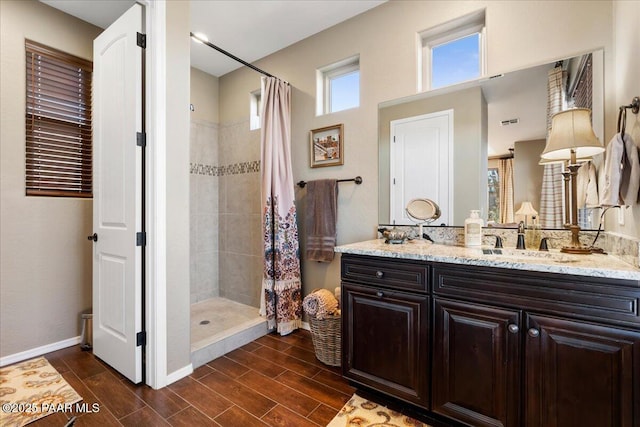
x,y
529,256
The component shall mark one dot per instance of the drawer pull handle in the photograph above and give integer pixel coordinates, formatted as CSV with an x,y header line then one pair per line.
x,y
534,332
379,294
513,328
379,274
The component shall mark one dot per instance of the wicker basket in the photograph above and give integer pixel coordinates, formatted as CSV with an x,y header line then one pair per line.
x,y
325,335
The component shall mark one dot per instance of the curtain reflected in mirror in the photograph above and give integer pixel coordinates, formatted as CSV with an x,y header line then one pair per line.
x,y
505,170
500,193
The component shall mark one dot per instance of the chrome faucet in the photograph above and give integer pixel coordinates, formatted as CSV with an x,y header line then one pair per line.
x,y
520,243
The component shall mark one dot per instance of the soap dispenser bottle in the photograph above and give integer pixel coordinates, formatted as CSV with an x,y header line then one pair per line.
x,y
473,230
533,233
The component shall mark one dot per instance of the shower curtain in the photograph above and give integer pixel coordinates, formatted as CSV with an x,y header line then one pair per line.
x,y
281,299
505,172
551,198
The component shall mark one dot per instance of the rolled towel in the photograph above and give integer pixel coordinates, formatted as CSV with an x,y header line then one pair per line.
x,y
320,303
336,292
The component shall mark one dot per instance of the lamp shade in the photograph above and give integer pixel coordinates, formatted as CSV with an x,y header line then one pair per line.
x,y
571,130
526,209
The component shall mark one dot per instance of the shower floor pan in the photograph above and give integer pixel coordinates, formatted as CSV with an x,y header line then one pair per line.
x,y
219,325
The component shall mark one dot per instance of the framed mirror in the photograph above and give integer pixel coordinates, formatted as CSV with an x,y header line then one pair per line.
x,y
504,116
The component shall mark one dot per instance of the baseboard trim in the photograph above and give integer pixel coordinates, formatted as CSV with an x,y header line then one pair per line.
x,y
38,351
179,374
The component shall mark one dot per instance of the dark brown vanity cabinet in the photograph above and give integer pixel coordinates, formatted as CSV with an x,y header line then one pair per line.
x,y
499,347
476,363
385,332
535,349
581,374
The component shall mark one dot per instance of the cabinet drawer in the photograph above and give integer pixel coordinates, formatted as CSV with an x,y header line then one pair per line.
x,y
397,274
572,296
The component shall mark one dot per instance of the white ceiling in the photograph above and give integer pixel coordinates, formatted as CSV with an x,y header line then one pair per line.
x,y
249,29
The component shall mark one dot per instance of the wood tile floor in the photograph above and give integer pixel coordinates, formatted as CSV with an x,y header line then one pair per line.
x,y
272,381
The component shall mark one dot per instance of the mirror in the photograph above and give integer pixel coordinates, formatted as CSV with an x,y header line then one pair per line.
x,y
497,117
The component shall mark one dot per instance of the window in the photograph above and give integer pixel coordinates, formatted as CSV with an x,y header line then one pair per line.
x,y
493,190
255,106
452,52
339,86
58,123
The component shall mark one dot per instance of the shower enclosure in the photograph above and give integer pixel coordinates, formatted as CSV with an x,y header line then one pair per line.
x,y
226,241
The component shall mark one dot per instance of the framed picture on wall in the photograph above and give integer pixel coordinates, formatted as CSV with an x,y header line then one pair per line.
x,y
326,146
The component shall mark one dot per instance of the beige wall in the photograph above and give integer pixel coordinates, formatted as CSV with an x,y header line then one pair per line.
x,y
177,120
204,96
626,33
527,173
45,258
520,34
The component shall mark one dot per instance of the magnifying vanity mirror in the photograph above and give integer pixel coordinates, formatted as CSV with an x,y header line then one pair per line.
x,y
469,128
422,211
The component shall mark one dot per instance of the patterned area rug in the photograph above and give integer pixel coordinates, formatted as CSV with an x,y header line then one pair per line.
x,y
359,412
31,390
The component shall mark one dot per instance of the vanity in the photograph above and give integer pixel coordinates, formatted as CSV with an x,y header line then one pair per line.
x,y
484,339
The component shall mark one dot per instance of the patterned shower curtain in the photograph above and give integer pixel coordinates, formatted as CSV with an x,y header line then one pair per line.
x,y
551,198
281,299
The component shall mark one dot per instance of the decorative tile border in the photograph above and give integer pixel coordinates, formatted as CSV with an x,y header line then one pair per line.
x,y
233,169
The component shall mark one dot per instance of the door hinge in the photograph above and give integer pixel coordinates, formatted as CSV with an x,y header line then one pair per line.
x,y
141,239
394,138
141,139
141,40
394,181
141,338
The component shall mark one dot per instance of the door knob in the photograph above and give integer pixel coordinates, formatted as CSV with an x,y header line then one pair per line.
x,y
379,294
534,332
93,237
513,328
379,274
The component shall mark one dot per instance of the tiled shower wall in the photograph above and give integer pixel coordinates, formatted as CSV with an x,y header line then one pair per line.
x,y
240,237
204,217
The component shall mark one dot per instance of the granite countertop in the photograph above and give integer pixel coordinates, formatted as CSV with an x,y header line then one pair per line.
x,y
593,265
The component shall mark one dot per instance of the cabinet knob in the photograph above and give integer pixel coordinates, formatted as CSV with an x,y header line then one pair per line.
x,y
379,274
513,328
533,332
379,294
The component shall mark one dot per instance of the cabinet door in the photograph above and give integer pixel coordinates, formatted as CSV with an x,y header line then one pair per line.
x,y
581,374
476,363
385,341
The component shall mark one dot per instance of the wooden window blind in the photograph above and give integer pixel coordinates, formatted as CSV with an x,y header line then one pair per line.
x,y
58,123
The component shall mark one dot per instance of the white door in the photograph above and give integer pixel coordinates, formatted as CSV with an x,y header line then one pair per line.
x,y
117,198
421,164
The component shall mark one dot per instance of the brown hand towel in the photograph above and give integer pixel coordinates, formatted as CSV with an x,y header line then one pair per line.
x,y
321,218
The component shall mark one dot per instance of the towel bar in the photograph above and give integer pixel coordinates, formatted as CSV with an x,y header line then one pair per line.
x,y
622,114
357,180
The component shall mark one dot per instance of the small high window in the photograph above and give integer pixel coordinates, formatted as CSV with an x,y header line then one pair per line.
x,y
339,86
255,105
58,123
453,52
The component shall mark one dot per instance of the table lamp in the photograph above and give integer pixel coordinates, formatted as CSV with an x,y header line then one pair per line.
x,y
572,137
526,209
